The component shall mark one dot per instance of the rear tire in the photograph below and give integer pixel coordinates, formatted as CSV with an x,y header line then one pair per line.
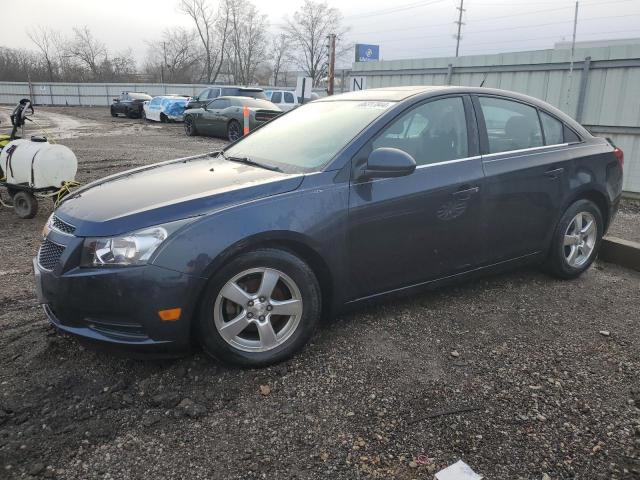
x,y
163,118
132,114
260,283
576,240
25,205
143,115
190,127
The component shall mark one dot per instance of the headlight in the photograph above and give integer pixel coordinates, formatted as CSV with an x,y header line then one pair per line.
x,y
130,249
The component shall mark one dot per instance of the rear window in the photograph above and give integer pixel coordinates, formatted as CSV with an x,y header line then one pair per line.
x,y
253,94
510,125
258,103
139,96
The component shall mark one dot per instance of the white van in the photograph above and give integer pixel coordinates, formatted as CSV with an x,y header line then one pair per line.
x,y
285,99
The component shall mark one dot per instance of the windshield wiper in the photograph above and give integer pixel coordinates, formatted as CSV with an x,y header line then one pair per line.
x,y
248,161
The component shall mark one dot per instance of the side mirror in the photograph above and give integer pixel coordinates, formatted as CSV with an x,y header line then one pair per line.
x,y
116,100
389,162
196,98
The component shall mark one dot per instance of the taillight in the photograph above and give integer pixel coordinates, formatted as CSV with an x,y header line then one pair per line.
x,y
619,156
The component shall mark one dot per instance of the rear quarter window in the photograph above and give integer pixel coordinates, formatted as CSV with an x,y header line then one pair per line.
x,y
553,129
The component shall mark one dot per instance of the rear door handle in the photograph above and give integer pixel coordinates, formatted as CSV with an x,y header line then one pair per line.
x,y
466,193
554,173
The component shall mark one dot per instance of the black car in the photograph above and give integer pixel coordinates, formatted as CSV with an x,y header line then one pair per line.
x,y
210,93
129,104
344,200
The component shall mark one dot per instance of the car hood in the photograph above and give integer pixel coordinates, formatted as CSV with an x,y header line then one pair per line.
x,y
168,191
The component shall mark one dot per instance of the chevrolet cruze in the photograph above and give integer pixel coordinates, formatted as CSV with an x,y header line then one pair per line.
x,y
341,201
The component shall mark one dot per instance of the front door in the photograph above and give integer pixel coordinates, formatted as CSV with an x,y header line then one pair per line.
x,y
425,226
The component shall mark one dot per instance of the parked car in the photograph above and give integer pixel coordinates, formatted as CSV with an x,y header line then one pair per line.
x,y
285,99
224,117
129,104
211,93
165,108
347,199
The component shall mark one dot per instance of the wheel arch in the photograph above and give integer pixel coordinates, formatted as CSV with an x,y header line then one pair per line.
x,y
291,242
596,196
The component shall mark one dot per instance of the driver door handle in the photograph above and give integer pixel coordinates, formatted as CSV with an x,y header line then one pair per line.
x,y
466,193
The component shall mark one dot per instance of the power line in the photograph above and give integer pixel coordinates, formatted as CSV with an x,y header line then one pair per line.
x,y
399,8
471,32
501,44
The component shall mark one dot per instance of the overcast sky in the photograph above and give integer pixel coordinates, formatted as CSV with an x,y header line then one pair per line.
x,y
403,29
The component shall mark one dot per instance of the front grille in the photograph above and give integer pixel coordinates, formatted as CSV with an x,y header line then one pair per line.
x,y
49,254
62,226
265,115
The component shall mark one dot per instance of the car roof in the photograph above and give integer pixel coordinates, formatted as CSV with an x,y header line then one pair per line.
x,y
400,93
390,94
239,87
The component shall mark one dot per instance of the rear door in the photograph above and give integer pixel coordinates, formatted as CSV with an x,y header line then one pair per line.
x,y
409,230
525,176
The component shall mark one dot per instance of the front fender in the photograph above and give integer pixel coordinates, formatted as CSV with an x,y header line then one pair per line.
x,y
315,215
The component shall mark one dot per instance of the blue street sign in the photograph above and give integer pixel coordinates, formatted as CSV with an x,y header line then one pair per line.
x,y
367,53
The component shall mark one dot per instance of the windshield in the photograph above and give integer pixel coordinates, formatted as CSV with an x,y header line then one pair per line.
x,y
307,138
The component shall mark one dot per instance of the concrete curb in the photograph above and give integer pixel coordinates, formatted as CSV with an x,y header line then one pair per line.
x,y
621,252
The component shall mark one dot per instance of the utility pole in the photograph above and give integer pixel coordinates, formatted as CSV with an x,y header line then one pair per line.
x,y
164,61
573,51
459,22
331,69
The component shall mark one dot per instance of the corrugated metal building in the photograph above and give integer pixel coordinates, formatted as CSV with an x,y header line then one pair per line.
x,y
602,91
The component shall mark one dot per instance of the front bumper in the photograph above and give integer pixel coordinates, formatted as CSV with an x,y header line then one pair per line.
x,y
119,306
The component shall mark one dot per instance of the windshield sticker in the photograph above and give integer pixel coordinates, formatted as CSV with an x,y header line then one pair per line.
x,y
374,105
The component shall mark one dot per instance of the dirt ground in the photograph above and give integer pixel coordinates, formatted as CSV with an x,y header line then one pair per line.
x,y
520,375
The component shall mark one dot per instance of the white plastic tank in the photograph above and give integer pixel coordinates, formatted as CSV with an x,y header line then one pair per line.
x,y
38,164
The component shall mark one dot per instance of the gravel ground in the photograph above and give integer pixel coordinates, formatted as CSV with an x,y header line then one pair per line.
x,y
510,373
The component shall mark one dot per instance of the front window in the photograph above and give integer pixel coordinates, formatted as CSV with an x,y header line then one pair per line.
x,y
307,138
433,132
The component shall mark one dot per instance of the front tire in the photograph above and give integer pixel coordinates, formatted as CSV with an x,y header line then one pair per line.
x,y
259,309
576,240
113,112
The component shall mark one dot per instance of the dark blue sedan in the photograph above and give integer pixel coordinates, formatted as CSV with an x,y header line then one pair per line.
x,y
341,201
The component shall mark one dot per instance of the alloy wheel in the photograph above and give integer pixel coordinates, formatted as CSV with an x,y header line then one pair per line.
x,y
580,239
258,309
234,131
188,125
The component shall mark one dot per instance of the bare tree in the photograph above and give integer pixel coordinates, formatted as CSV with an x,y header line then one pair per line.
x,y
48,42
88,50
212,27
247,41
280,55
308,30
174,56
